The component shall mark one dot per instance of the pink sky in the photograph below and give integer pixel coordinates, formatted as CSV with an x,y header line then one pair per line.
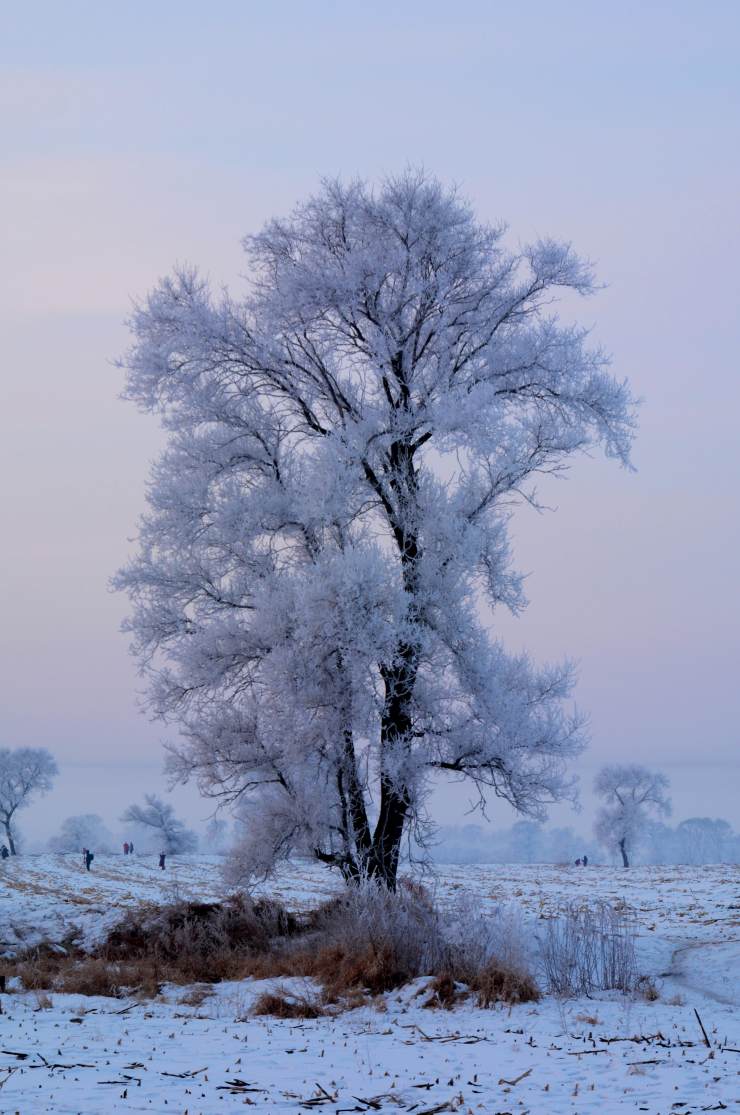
x,y
145,135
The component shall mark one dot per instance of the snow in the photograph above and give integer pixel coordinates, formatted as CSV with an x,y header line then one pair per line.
x,y
174,1054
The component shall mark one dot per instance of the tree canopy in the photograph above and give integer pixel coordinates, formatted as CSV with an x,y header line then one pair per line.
x,y
346,444
156,820
24,773
631,795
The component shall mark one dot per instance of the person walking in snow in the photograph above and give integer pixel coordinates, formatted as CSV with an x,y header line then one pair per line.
x,y
130,847
585,861
89,857
125,847
4,852
161,860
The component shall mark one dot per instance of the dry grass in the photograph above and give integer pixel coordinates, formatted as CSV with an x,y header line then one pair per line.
x,y
590,947
96,976
365,943
284,1004
368,967
185,944
196,996
647,989
442,993
495,983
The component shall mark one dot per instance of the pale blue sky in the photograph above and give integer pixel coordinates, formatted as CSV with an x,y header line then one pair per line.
x,y
135,135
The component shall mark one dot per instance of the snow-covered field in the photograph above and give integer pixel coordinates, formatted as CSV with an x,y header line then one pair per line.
x,y
603,1054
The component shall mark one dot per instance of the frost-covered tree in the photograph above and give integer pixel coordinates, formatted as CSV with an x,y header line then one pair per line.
x,y
24,773
631,795
346,444
156,818
85,831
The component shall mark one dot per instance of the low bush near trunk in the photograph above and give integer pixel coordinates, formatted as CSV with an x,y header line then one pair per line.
x,y
368,941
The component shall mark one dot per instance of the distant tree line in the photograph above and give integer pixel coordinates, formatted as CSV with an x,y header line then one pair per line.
x,y
697,840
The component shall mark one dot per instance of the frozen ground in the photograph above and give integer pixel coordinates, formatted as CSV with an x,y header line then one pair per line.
x,y
594,1055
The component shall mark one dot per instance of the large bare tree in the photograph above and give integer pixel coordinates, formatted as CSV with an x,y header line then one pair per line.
x,y
346,444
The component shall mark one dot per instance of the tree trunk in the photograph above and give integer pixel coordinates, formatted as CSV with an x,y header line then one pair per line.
x,y
9,836
380,859
399,677
395,732
625,860
386,850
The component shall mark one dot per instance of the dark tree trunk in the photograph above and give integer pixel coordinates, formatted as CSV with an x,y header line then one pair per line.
x,y
377,856
9,836
386,850
625,860
395,733
399,677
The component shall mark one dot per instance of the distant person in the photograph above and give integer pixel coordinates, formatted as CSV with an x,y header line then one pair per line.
x,y
578,863
161,860
89,857
130,847
4,852
585,861
125,847
84,856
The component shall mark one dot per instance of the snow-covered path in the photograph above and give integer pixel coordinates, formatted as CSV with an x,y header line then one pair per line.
x,y
710,968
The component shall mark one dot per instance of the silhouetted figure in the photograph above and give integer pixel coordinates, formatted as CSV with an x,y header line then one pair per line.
x,y
585,861
4,852
125,847
130,847
89,857
578,863
161,860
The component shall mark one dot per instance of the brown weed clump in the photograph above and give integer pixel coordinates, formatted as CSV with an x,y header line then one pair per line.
x,y
366,942
496,983
283,1004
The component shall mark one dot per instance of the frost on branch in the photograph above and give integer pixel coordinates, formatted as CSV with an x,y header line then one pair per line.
x,y
346,443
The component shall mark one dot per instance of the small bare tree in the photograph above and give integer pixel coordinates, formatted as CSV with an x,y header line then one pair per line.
x,y
630,795
24,772
159,819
